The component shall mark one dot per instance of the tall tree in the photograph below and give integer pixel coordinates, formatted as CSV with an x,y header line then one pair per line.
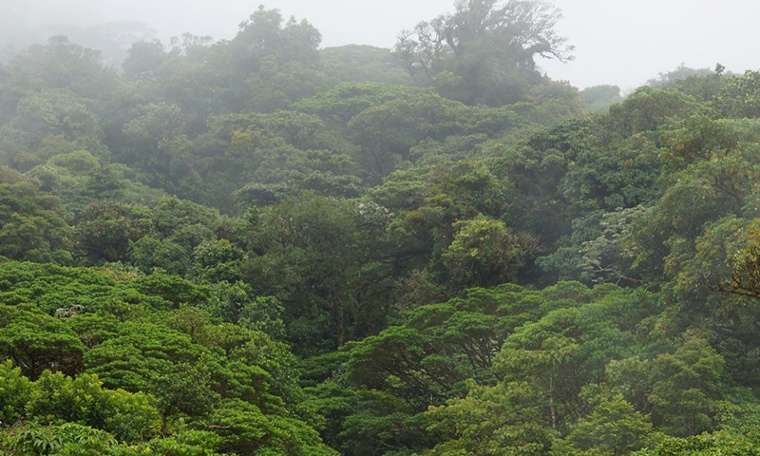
x,y
485,51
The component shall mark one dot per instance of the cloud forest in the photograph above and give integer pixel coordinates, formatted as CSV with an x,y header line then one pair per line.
x,y
260,247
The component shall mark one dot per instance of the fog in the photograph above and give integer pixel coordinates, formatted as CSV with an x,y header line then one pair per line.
x,y
621,42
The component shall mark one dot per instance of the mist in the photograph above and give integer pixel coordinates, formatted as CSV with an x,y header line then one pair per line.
x,y
224,232
622,43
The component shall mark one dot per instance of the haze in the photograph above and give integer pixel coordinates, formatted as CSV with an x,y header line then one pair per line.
x,y
622,42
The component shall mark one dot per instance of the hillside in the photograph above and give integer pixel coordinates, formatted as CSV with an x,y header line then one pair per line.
x,y
262,247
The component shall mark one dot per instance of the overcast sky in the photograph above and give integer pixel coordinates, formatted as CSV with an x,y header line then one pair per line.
x,y
623,42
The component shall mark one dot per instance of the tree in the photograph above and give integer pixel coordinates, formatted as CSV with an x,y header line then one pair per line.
x,y
614,428
248,432
692,233
484,52
216,261
438,347
647,108
719,443
263,35
37,342
569,347
309,255
143,59
276,61
32,225
64,439
386,132
506,419
739,97
161,362
15,392
682,390
61,64
155,132
113,39
598,99
361,63
745,265
106,229
686,386
83,400
485,253
679,74
48,116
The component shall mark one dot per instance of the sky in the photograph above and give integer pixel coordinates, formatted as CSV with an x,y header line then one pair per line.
x,y
621,42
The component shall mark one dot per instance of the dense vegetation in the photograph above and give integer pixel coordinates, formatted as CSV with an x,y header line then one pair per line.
x,y
261,247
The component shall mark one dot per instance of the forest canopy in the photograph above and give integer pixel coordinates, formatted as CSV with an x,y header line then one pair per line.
x,y
259,246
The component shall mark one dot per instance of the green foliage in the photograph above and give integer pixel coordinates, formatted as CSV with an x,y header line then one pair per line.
x,y
347,100
505,419
360,208
105,230
648,107
151,254
681,73
569,347
608,257
485,253
32,225
613,427
442,352
381,424
63,401
15,392
745,264
308,255
50,115
35,342
263,40
65,439
143,58
171,288
247,431
362,63
57,399
701,83
158,361
484,52
158,375
598,99
681,390
386,132
686,387
720,443
739,97
61,64
216,261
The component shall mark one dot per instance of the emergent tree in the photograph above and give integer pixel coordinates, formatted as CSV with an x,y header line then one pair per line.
x,y
484,52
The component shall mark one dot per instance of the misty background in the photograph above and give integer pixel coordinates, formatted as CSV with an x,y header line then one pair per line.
x,y
624,42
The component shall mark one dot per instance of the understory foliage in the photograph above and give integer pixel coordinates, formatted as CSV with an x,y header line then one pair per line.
x,y
261,247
